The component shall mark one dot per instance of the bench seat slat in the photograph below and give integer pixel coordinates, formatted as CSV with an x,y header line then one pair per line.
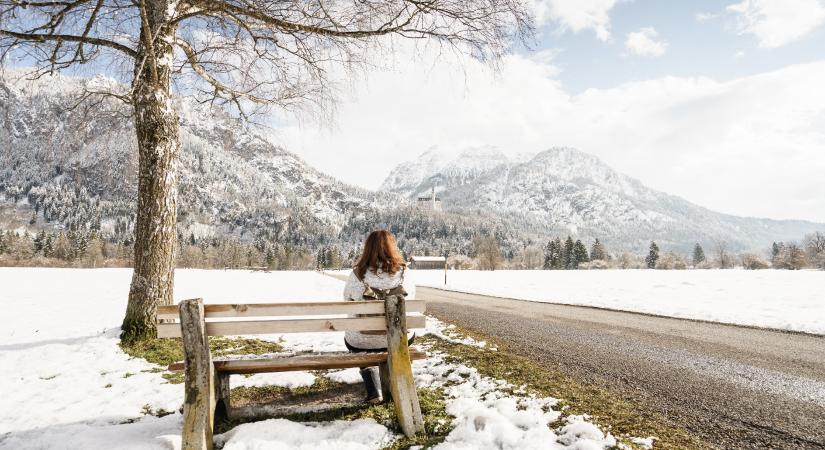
x,y
169,330
170,312
301,362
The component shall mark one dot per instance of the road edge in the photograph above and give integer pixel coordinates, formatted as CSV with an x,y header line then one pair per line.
x,y
638,313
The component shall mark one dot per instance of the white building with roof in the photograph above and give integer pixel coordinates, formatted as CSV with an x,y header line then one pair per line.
x,y
427,262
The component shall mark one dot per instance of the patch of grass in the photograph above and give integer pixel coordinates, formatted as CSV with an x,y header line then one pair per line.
x,y
149,411
619,416
157,351
437,422
174,377
167,351
244,395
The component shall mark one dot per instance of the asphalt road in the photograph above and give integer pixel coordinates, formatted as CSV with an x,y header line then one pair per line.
x,y
734,387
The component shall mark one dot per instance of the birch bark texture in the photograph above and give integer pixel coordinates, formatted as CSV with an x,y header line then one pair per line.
x,y
245,56
157,128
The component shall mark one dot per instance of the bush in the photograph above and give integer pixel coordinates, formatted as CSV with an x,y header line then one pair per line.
x,y
671,261
754,262
596,264
790,257
461,262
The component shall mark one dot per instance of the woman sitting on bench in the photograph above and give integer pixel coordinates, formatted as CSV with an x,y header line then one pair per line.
x,y
379,272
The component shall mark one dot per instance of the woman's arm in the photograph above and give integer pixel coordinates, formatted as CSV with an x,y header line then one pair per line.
x,y
409,283
353,289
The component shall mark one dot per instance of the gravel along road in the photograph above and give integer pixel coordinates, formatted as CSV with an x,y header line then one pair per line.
x,y
733,387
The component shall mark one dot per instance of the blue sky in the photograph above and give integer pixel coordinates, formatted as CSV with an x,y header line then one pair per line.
x,y
695,48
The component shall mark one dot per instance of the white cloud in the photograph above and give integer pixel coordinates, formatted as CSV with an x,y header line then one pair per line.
x,y
706,17
778,22
577,15
750,146
645,42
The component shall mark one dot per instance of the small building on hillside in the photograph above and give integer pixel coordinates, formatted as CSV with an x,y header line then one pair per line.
x,y
427,262
429,201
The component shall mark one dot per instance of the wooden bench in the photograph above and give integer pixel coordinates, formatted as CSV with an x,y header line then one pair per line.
x,y
207,380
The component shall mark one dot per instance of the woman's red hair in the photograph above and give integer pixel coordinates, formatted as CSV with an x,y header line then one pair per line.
x,y
380,250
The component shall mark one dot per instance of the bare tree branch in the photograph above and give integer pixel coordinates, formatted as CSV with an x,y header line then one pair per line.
x,y
41,38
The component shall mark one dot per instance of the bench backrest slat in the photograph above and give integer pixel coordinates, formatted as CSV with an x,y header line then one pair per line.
x,y
170,330
290,309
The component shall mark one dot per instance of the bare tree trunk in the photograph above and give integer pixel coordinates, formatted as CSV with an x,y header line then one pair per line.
x,y
156,124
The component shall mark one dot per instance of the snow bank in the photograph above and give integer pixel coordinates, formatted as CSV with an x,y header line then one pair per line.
x,y
277,434
782,299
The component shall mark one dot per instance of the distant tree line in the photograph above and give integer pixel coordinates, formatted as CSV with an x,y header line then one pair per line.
x,y
572,255
494,250
82,248
90,249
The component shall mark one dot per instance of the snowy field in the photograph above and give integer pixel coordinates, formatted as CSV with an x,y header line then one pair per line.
x,y
782,299
67,385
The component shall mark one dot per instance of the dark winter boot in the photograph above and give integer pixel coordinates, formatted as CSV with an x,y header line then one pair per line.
x,y
373,384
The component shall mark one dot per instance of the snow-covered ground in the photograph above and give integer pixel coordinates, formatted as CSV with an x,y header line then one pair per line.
x,y
66,384
782,299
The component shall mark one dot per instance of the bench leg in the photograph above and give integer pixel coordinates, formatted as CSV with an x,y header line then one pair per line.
x,y
222,405
402,386
199,388
384,375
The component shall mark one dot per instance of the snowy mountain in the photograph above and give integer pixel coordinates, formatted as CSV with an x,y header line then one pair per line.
x,y
77,167
73,165
572,192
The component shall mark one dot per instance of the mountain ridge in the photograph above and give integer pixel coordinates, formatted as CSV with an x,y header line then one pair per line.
x,y
576,192
231,179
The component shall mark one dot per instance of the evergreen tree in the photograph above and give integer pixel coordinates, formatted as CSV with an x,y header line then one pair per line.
x,y
776,252
39,241
567,254
548,255
653,256
332,258
597,252
321,258
579,254
557,260
48,246
553,255
270,258
698,255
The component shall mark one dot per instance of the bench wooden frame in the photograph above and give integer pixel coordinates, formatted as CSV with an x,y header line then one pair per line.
x,y
207,381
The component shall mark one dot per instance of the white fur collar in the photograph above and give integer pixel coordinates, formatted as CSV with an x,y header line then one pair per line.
x,y
382,280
